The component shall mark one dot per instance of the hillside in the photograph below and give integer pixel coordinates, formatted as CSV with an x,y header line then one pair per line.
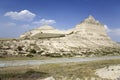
x,y
89,38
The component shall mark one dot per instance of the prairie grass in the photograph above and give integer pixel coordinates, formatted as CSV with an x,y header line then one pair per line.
x,y
25,58
61,71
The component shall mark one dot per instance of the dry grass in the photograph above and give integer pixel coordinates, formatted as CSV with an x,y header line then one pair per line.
x,y
68,71
25,58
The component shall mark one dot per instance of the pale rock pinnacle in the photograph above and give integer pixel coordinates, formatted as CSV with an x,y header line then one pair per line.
x,y
91,20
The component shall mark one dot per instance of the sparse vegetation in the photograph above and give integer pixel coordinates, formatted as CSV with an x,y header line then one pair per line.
x,y
40,52
29,55
27,75
61,71
33,51
54,55
19,48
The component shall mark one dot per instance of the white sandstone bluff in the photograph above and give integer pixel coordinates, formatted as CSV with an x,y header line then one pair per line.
x,y
89,38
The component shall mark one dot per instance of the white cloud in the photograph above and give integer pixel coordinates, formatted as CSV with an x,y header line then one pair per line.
x,y
116,31
25,25
24,15
107,29
113,33
45,22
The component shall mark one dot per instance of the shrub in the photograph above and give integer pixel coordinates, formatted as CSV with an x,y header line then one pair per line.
x,y
30,55
1,56
20,52
40,52
19,48
32,51
54,55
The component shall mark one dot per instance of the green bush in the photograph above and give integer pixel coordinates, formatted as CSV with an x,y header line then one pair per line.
x,y
30,55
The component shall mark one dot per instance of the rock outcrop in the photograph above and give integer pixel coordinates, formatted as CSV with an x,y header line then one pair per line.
x,y
89,38
109,72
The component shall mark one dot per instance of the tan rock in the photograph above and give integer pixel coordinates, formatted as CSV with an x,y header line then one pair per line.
x,y
87,38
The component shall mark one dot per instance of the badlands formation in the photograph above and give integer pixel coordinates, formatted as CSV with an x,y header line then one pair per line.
x,y
89,38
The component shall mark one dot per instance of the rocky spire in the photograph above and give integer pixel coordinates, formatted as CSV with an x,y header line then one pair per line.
x,y
91,20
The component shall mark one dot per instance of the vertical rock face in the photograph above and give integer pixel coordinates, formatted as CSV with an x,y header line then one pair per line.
x,y
87,38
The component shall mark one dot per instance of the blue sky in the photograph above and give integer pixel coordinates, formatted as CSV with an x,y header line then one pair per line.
x,y
18,16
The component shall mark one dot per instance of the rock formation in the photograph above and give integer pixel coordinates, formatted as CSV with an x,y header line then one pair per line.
x,y
43,32
89,38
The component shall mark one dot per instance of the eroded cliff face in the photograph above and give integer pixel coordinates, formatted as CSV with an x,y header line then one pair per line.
x,y
91,33
89,38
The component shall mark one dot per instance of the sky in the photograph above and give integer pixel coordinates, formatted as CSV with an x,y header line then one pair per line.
x,y
19,16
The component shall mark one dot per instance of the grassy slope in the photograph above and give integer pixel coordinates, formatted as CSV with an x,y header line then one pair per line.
x,y
70,71
48,35
24,58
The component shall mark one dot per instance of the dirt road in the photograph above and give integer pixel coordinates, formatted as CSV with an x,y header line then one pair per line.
x,y
56,60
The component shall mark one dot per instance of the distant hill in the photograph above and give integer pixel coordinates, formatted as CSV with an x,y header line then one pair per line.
x,y
44,32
